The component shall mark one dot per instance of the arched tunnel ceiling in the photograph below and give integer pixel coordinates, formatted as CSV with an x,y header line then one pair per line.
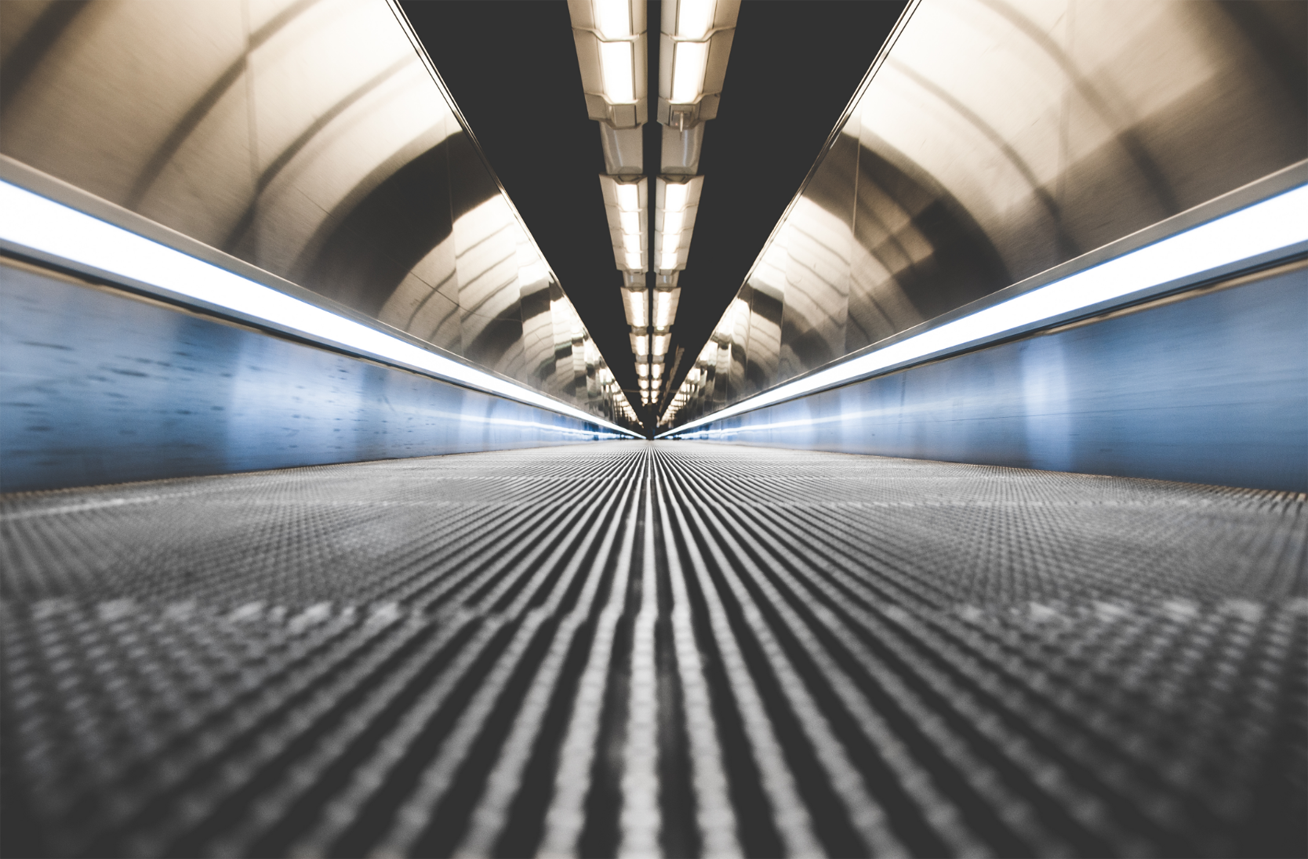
x,y
512,69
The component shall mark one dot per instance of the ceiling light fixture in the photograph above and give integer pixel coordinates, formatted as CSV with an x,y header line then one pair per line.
x,y
612,55
626,202
677,204
659,345
694,45
636,305
665,306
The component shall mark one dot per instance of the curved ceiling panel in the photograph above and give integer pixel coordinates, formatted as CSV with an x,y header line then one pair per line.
x,y
306,137
995,139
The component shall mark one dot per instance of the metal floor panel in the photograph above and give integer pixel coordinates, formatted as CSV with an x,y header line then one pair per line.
x,y
635,648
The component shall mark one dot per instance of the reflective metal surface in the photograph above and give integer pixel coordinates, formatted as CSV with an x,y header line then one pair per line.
x,y
307,138
1211,387
997,139
654,649
100,387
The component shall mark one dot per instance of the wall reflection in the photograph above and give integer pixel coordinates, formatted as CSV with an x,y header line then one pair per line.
x,y
1000,138
305,137
1221,397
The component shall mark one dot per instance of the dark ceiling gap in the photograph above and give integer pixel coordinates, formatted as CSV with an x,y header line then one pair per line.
x,y
653,152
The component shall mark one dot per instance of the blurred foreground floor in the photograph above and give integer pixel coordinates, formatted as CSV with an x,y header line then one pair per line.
x,y
654,647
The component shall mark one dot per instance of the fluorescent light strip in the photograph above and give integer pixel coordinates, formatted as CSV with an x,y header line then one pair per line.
x,y
694,18
628,194
1270,225
615,63
689,64
43,225
613,19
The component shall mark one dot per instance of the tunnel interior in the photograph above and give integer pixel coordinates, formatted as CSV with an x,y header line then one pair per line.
x,y
374,482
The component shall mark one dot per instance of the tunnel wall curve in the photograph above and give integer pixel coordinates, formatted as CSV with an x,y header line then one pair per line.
x,y
992,141
1222,399
995,146
101,386
310,146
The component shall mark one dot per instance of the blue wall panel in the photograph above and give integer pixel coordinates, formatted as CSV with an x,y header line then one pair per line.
x,y
100,387
1210,388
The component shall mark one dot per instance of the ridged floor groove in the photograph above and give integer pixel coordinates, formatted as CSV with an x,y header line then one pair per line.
x,y
647,649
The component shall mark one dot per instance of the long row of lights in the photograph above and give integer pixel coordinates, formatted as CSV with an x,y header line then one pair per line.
x,y
34,223
1274,227
695,44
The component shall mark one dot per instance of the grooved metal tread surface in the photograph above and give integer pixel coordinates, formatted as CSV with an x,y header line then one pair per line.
x,y
639,648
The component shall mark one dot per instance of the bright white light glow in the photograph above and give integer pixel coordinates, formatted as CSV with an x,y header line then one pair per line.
x,y
1275,223
642,344
662,309
642,369
672,221
615,65
613,18
675,195
694,18
630,222
670,243
636,307
656,371
628,198
633,260
667,262
661,344
690,61
727,324
42,225
631,243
